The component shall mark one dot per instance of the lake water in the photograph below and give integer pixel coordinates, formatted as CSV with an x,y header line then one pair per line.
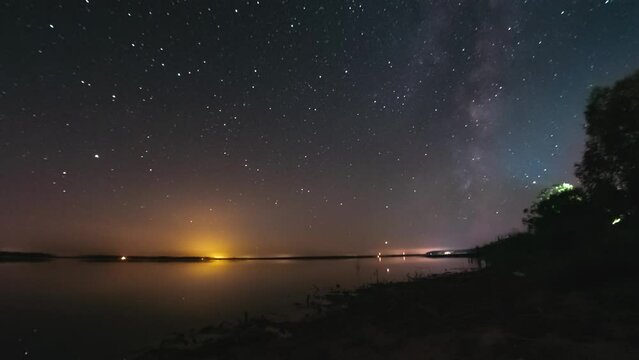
x,y
79,310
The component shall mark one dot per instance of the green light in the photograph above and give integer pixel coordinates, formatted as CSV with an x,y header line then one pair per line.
x,y
555,190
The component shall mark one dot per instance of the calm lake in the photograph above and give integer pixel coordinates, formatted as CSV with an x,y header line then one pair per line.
x,y
80,310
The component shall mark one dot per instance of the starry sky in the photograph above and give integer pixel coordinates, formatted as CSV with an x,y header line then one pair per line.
x,y
292,127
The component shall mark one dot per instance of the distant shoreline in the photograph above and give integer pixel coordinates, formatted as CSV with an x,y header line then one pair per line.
x,y
12,256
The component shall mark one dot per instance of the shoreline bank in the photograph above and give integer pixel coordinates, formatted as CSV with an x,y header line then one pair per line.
x,y
472,315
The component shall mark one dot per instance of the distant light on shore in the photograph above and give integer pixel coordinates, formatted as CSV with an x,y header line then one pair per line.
x,y
123,258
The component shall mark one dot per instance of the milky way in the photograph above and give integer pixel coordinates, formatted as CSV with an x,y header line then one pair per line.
x,y
263,127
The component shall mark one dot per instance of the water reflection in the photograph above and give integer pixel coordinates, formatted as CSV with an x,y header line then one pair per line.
x,y
73,308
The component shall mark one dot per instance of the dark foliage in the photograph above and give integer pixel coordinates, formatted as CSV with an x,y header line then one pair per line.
x,y
566,214
609,170
572,230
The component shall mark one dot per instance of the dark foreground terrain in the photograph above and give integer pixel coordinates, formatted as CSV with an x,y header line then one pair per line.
x,y
478,315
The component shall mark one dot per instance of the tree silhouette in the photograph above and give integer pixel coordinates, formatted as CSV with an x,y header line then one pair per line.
x,y
609,170
555,208
564,216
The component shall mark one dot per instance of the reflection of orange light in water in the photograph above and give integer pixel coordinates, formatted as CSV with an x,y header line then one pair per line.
x,y
218,260
208,267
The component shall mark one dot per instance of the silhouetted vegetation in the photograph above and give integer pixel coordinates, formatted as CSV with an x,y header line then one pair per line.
x,y
609,170
587,230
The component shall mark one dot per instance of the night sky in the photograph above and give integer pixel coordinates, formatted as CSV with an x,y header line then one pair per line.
x,y
292,127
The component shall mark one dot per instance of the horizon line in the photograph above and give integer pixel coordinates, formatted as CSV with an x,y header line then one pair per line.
x,y
15,255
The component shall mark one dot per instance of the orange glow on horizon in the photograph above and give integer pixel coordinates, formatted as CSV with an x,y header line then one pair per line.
x,y
207,245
